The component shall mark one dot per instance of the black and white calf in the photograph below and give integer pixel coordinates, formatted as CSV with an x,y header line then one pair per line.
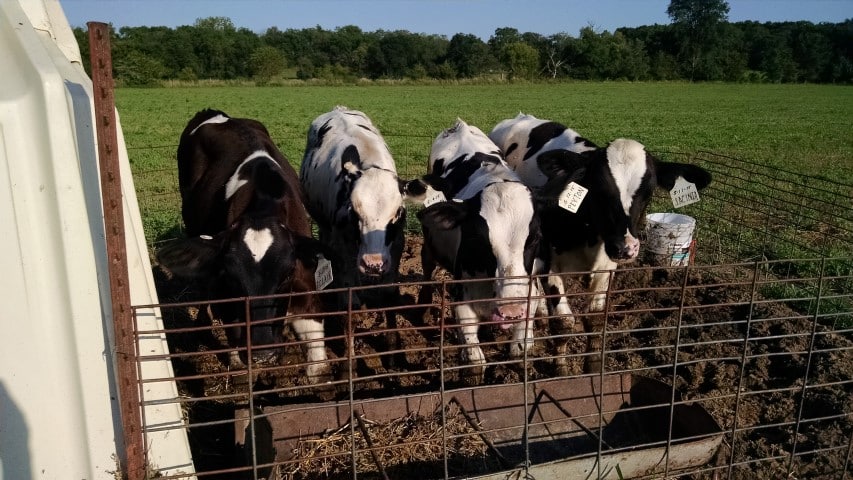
x,y
355,196
248,234
603,233
487,229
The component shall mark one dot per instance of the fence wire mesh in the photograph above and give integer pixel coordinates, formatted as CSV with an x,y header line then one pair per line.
x,y
738,366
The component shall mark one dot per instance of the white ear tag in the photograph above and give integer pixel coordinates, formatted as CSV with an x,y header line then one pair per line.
x,y
683,193
323,275
433,196
572,197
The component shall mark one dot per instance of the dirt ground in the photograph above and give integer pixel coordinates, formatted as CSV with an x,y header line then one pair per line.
x,y
753,388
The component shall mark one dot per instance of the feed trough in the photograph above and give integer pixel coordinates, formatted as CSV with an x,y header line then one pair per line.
x,y
611,426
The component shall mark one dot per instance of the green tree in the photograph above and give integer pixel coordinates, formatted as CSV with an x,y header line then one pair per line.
x,y
137,69
522,60
468,56
265,63
697,25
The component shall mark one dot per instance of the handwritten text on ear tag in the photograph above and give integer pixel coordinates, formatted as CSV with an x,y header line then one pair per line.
x,y
433,196
572,197
323,275
683,193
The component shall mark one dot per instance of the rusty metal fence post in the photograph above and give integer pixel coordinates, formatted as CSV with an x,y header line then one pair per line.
x,y
105,126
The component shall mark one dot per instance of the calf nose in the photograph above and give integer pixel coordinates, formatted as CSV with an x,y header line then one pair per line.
x,y
373,264
630,249
506,315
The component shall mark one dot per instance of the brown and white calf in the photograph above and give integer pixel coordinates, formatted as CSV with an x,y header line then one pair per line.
x,y
487,228
603,233
248,235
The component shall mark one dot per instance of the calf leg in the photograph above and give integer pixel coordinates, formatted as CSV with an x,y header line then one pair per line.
x,y
425,295
522,339
594,323
311,331
561,324
472,353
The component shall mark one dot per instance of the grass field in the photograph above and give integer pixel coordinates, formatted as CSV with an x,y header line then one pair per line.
x,y
802,128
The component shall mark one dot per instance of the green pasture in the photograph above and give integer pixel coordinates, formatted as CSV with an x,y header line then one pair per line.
x,y
801,128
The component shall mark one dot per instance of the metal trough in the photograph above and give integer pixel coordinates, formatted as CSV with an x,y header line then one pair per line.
x,y
554,427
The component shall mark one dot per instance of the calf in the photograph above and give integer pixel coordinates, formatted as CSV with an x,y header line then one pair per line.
x,y
248,234
356,198
488,230
602,234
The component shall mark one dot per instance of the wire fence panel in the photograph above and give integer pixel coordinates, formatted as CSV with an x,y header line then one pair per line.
x,y
736,366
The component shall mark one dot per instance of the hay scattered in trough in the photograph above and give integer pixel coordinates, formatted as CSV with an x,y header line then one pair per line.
x,y
413,441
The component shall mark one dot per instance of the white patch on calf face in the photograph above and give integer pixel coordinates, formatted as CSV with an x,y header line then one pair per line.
x,y
235,182
217,119
376,199
507,208
627,161
258,242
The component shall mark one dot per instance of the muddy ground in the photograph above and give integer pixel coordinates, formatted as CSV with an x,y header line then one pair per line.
x,y
759,398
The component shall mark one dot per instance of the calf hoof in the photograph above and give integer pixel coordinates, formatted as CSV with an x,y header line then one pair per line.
x,y
517,349
319,374
234,361
474,375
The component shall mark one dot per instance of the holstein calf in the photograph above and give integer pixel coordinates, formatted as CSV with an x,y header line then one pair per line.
x,y
602,233
248,234
356,198
488,229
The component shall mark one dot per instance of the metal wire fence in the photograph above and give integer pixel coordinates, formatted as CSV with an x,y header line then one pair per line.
x,y
737,366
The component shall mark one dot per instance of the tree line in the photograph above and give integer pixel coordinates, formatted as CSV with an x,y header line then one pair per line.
x,y
691,48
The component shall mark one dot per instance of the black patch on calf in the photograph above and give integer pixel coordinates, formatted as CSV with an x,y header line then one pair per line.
x,y
542,134
350,155
510,149
458,173
321,133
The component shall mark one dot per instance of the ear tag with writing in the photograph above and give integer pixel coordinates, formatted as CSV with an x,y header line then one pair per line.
x,y
683,193
572,197
433,196
323,275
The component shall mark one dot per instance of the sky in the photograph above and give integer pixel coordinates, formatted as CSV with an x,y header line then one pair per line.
x,y
443,17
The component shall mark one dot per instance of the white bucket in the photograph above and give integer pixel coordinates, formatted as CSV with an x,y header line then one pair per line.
x,y
669,238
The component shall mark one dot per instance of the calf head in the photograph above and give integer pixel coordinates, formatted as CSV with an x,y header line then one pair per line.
x,y
620,179
376,216
494,234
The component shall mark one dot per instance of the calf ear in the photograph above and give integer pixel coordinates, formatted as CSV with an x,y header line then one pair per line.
x,y
418,189
442,228
668,172
412,189
190,258
555,163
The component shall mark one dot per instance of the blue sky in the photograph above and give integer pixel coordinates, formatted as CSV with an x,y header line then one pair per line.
x,y
443,17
